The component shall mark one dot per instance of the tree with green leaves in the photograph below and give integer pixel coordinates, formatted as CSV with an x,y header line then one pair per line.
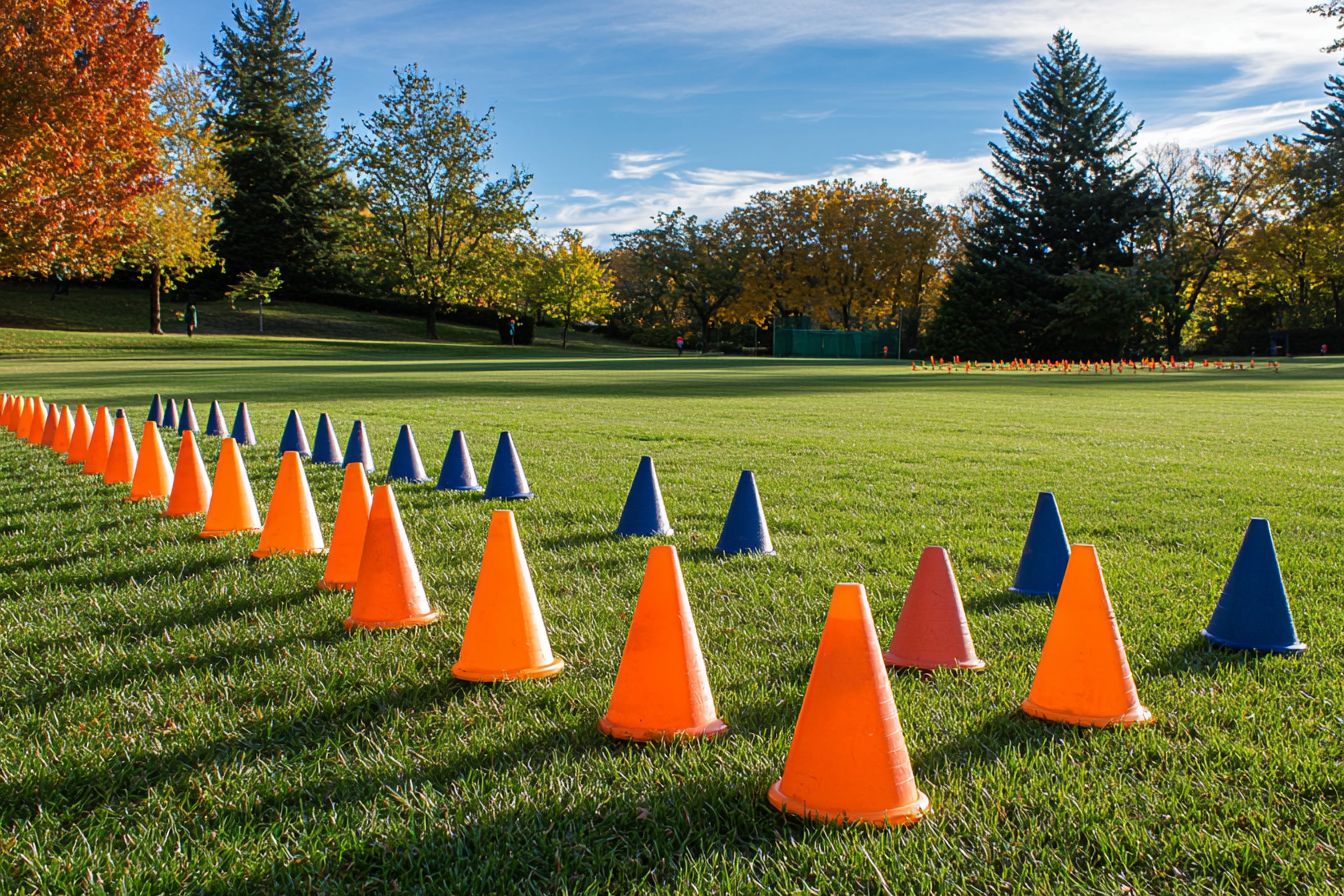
x,y
1065,197
572,284
252,287
291,204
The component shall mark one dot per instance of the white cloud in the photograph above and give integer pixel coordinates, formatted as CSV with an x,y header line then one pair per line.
x,y
1231,126
642,165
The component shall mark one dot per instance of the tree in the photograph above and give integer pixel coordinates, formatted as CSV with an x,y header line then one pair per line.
x,y
1325,130
422,162
571,285
178,221
77,142
291,203
253,288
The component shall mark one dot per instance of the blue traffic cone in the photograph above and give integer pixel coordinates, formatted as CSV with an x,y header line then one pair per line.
x,y
326,450
242,426
156,410
214,422
507,481
458,475
1045,556
357,447
121,412
1253,613
405,465
745,532
187,421
170,415
644,513
294,438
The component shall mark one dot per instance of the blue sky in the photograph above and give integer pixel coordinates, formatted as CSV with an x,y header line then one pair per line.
x,y
621,110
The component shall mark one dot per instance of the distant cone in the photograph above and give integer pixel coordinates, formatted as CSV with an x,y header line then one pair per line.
x,y
507,481
848,762
187,422
232,507
662,690
65,430
1083,676
357,448
49,427
78,451
100,443
294,438
326,450
26,412
1253,612
242,426
1045,555
191,482
347,537
506,636
156,410
7,405
745,530
170,420
36,423
457,475
405,465
214,422
388,592
121,456
291,520
644,514
931,632
153,473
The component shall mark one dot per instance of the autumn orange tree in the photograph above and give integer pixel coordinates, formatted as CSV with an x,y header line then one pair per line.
x,y
78,143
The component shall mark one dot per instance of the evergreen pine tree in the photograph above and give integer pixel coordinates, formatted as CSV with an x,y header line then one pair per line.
x,y
1064,197
290,200
1325,131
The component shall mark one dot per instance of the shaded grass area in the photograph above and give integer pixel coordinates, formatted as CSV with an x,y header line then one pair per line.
x,y
179,717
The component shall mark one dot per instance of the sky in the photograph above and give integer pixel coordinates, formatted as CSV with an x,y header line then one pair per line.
x,y
622,110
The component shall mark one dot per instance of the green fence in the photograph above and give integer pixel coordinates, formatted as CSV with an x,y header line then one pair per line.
x,y
791,343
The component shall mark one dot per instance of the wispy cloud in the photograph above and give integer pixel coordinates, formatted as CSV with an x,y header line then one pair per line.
x,y
1209,129
642,165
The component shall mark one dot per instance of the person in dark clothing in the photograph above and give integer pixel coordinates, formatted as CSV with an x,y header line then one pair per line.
x,y
681,343
191,318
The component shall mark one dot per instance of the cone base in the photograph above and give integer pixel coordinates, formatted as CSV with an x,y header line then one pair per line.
x,y
1290,649
336,586
430,617
662,735
745,551
546,671
183,513
408,480
899,816
131,498
1140,716
271,552
459,488
657,533
1030,592
220,533
957,665
510,497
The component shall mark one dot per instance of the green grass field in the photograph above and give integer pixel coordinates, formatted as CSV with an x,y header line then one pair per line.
x,y
180,718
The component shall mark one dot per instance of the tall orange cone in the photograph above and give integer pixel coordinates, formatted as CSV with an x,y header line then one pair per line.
x,y
848,761
232,507
662,691
931,632
24,419
1083,677
153,473
65,429
121,457
191,483
49,427
78,451
36,421
388,593
291,520
9,403
347,537
505,636
100,444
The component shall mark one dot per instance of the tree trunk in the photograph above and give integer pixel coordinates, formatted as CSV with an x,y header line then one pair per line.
x,y
564,336
704,336
155,325
432,323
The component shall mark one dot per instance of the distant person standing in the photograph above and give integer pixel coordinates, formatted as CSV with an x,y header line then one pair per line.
x,y
512,324
1322,348
191,319
681,344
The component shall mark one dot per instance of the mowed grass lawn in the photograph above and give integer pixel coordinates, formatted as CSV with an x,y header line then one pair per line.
x,y
180,718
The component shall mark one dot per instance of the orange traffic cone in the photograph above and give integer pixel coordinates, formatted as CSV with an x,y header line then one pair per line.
x,y
153,474
505,636
191,483
100,444
49,427
78,451
848,761
347,537
7,405
931,632
291,520
65,428
662,691
232,507
36,422
121,457
24,419
388,593
1083,677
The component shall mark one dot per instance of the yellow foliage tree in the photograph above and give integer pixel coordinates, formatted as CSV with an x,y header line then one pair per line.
x,y
571,284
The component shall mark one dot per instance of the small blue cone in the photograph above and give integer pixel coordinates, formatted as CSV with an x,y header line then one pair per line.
x,y
507,481
357,448
458,475
1252,613
170,415
405,465
121,412
294,438
745,532
1045,556
156,410
214,422
644,513
187,421
242,426
326,450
